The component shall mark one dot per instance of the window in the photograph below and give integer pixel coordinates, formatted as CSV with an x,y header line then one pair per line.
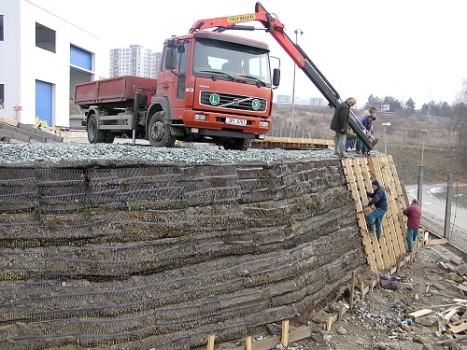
x,y
2,96
1,28
80,58
45,38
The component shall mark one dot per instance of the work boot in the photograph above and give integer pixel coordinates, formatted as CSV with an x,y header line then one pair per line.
x,y
378,235
371,228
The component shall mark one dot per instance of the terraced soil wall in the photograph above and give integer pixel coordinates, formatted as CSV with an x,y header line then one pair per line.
x,y
141,256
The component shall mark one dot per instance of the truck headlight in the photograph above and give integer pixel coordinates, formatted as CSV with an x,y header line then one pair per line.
x,y
200,117
264,124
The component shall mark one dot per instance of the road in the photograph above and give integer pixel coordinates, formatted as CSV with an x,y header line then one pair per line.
x,y
433,213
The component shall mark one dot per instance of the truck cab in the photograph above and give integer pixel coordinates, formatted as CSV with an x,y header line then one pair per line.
x,y
213,87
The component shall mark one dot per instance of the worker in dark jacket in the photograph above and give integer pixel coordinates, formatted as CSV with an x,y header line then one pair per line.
x,y
339,123
380,201
413,214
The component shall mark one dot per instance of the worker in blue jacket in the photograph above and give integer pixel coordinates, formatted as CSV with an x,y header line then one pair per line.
x,y
380,201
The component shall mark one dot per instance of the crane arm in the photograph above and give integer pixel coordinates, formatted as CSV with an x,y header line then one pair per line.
x,y
275,27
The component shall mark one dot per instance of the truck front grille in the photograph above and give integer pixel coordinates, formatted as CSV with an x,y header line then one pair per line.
x,y
229,101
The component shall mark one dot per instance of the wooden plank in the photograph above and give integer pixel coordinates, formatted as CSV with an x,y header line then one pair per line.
x,y
30,131
285,333
17,132
385,241
351,183
420,313
373,257
11,133
352,289
4,138
267,344
363,178
462,287
299,334
459,328
40,133
436,241
8,121
330,321
248,344
211,340
392,221
456,260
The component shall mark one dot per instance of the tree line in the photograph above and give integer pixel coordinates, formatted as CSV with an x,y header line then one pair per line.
x,y
455,113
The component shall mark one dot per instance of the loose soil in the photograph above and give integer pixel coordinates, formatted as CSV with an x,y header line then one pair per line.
x,y
382,319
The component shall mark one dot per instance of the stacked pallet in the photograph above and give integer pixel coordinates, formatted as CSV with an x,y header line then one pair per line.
x,y
291,143
382,254
13,130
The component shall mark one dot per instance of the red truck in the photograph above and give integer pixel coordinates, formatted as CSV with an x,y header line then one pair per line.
x,y
211,87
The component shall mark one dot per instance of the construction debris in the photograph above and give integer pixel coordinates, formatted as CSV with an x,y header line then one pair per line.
x,y
11,131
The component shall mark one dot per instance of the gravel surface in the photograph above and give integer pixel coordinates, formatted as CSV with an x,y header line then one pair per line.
x,y
74,152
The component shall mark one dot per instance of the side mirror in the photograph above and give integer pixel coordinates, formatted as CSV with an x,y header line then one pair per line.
x,y
276,76
170,59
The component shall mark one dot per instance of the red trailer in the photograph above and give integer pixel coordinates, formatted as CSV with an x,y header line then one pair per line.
x,y
112,90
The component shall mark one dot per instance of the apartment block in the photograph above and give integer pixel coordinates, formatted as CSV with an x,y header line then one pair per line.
x,y
135,60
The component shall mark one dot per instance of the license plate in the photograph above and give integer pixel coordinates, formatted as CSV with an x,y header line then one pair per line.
x,y
235,121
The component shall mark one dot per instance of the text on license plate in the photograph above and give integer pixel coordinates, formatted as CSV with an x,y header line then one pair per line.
x,y
235,121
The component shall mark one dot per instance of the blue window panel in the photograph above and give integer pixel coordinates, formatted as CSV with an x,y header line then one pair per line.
x,y
80,58
44,101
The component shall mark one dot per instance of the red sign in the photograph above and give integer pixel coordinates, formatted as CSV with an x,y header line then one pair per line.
x,y
17,108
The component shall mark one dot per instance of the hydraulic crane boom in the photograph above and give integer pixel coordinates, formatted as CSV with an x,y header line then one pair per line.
x,y
274,26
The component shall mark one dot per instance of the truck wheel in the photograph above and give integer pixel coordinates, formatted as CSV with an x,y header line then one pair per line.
x,y
94,134
109,137
237,144
159,133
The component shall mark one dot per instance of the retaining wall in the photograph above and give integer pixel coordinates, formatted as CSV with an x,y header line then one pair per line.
x,y
141,256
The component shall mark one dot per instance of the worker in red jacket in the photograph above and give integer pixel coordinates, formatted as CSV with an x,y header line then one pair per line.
x,y
413,214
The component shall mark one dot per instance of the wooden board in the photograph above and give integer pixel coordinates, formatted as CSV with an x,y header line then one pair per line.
x,y
26,133
359,172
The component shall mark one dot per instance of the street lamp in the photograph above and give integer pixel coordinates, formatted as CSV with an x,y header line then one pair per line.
x,y
421,171
385,132
292,131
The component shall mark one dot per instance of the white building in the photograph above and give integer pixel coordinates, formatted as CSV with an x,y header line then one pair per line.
x,y
135,60
42,57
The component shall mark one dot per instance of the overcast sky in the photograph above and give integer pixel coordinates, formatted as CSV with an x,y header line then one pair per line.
x,y
399,48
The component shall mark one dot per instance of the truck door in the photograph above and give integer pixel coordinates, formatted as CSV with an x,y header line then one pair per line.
x,y
171,81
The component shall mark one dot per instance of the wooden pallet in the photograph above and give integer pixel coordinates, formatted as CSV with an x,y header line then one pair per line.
x,y
291,143
382,254
10,129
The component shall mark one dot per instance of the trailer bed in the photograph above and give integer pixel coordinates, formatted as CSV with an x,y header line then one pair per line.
x,y
111,90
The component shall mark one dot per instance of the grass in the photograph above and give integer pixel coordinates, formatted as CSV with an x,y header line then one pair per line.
x,y
404,141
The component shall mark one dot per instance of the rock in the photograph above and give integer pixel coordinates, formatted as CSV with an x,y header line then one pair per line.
x,y
419,339
403,336
430,320
342,331
405,327
273,329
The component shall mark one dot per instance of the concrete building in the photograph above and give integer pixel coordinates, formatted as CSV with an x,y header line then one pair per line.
x,y
135,60
283,99
42,57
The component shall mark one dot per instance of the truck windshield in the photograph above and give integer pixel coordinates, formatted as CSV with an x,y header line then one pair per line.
x,y
230,60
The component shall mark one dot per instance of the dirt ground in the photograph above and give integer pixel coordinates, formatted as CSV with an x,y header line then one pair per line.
x,y
382,321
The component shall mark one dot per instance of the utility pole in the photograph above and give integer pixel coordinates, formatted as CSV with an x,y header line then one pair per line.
x,y
421,172
292,131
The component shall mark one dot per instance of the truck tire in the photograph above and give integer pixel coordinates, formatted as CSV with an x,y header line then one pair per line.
x,y
236,144
94,134
159,133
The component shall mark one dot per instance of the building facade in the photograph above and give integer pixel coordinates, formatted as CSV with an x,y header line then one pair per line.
x,y
42,58
135,60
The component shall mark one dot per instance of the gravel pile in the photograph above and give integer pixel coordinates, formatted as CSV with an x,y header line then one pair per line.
x,y
70,152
